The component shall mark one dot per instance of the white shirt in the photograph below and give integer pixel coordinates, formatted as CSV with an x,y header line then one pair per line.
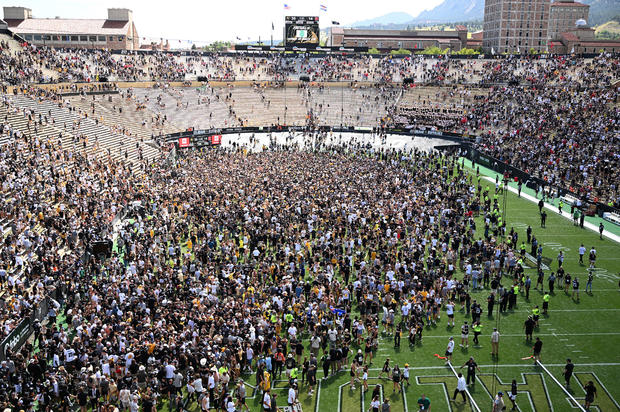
x,y
461,384
170,371
198,385
266,401
450,309
291,396
450,346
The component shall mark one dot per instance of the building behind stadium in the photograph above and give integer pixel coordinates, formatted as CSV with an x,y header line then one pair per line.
x,y
117,32
556,27
383,40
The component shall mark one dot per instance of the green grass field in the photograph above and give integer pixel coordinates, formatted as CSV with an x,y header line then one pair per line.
x,y
587,331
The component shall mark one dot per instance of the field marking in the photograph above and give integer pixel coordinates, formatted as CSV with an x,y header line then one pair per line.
x,y
404,396
443,367
445,388
576,310
547,391
501,382
538,363
318,397
512,365
602,386
538,334
340,395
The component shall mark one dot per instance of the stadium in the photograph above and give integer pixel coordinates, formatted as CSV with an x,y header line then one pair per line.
x,y
306,229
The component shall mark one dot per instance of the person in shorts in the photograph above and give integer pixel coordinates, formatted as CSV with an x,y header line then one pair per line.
x,y
450,312
590,394
512,395
396,377
312,367
241,394
450,349
465,335
385,369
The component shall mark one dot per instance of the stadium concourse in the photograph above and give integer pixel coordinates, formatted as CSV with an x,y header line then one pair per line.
x,y
272,261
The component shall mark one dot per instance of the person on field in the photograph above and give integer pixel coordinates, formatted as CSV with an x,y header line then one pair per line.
x,y
512,395
536,349
461,387
568,371
449,349
590,390
472,366
424,403
495,342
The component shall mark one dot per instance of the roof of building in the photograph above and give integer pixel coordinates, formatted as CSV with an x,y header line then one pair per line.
x,y
69,26
568,4
476,36
400,33
597,43
460,27
569,37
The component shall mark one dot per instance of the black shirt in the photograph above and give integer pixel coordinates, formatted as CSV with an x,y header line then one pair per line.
x,y
538,346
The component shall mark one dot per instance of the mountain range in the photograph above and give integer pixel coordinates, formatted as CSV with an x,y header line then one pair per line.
x,y
451,11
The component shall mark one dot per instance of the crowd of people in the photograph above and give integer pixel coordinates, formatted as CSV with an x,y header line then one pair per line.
x,y
230,261
289,242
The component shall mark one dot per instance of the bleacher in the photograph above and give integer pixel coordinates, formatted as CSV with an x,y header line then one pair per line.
x,y
95,137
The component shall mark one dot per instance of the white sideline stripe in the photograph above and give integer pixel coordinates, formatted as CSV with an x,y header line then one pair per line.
x,y
561,386
554,209
471,398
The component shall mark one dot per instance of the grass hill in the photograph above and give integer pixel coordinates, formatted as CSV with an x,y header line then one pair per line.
x,y
609,30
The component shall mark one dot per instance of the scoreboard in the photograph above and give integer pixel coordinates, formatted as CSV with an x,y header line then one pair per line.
x,y
301,31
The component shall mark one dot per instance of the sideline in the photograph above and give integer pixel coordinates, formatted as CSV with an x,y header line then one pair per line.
x,y
554,209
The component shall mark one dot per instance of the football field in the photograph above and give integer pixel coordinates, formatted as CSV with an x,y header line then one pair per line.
x,y
587,330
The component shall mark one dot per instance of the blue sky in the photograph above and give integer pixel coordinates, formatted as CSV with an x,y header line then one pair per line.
x,y
206,21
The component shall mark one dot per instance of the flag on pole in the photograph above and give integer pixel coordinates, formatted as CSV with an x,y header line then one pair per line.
x,y
272,26
286,7
323,7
